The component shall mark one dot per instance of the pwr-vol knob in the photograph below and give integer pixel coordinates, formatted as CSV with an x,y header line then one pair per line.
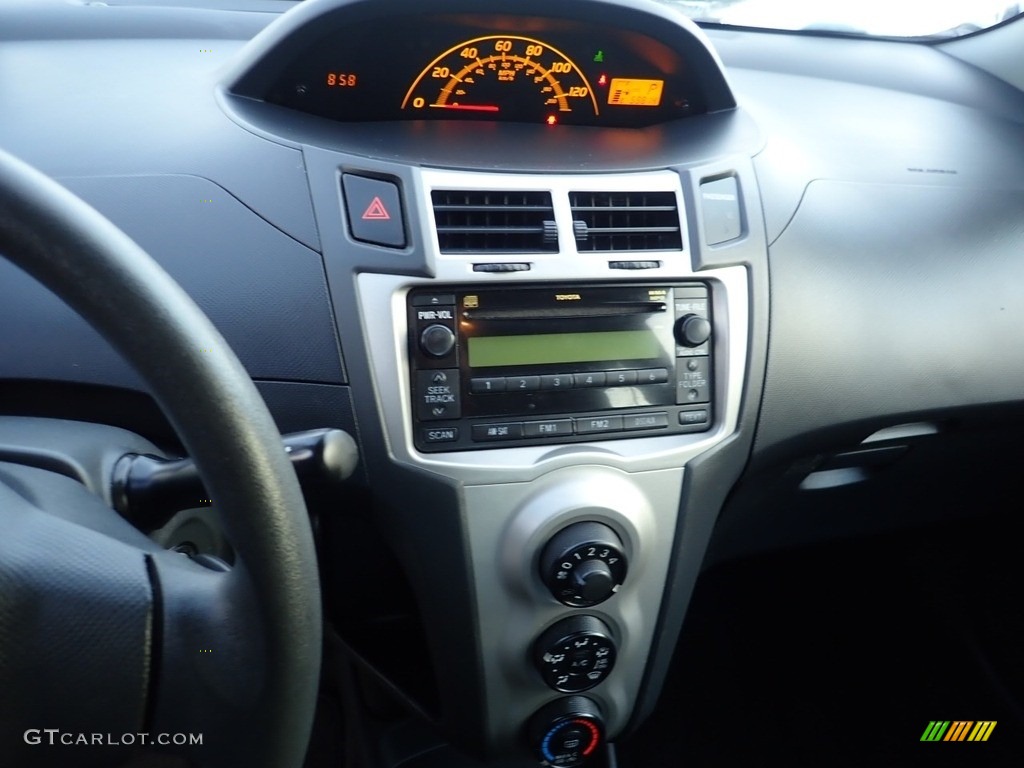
x,y
575,654
583,564
437,340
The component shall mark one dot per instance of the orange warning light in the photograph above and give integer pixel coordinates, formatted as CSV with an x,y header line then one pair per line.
x,y
551,120
376,211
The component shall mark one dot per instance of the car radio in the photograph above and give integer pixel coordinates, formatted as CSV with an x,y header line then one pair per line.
x,y
558,364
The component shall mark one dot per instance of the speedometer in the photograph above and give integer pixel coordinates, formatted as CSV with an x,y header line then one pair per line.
x,y
502,76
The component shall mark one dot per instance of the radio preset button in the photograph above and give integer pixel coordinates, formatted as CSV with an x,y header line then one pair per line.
x,y
523,383
556,381
621,378
592,379
437,395
553,428
645,421
652,376
509,431
597,424
482,386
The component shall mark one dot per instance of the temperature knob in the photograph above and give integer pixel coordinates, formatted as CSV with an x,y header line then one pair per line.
x,y
583,564
575,654
567,732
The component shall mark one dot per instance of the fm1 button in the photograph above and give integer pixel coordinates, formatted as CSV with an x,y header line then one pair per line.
x,y
437,395
374,211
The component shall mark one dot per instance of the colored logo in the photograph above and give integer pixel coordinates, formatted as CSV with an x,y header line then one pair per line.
x,y
958,730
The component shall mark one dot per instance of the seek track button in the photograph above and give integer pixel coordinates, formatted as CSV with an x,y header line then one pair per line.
x,y
437,395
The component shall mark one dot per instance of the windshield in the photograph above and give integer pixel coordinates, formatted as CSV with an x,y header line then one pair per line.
x,y
882,18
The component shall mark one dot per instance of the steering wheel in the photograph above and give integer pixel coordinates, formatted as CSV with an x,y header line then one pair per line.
x,y
114,651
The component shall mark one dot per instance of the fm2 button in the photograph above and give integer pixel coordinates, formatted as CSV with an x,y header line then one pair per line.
x,y
374,210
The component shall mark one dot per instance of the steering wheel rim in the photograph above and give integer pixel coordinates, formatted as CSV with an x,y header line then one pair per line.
x,y
208,397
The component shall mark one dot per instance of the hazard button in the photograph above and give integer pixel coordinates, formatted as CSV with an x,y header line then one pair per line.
x,y
374,211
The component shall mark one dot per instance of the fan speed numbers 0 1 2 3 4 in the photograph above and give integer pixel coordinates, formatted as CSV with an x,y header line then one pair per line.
x,y
502,76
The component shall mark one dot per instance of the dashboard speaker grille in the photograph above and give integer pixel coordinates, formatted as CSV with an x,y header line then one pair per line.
x,y
494,222
626,221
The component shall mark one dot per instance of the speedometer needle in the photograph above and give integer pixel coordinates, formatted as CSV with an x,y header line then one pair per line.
x,y
468,107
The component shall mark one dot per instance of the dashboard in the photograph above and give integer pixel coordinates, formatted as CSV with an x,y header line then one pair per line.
x,y
604,297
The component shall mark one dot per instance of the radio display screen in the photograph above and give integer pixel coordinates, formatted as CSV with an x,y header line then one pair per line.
x,y
550,348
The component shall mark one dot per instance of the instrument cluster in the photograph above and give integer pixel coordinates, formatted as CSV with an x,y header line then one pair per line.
x,y
526,69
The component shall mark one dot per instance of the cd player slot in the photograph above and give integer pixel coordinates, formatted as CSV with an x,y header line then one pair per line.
x,y
560,313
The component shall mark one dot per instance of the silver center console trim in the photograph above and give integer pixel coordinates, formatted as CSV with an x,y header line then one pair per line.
x,y
515,498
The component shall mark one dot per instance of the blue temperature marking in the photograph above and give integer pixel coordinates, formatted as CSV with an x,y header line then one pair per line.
x,y
547,740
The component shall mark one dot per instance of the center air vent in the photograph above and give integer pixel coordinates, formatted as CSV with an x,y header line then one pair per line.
x,y
626,221
495,222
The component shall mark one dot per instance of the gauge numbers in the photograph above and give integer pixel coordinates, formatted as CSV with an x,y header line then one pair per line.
x,y
519,77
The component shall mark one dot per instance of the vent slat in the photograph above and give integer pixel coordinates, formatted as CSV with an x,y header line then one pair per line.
x,y
617,208
478,208
626,221
630,230
480,221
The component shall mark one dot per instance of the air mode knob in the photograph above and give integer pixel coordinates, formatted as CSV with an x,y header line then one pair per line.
x,y
567,731
583,564
575,654
692,330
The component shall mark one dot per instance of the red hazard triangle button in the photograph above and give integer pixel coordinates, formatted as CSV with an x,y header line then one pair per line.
x,y
376,211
